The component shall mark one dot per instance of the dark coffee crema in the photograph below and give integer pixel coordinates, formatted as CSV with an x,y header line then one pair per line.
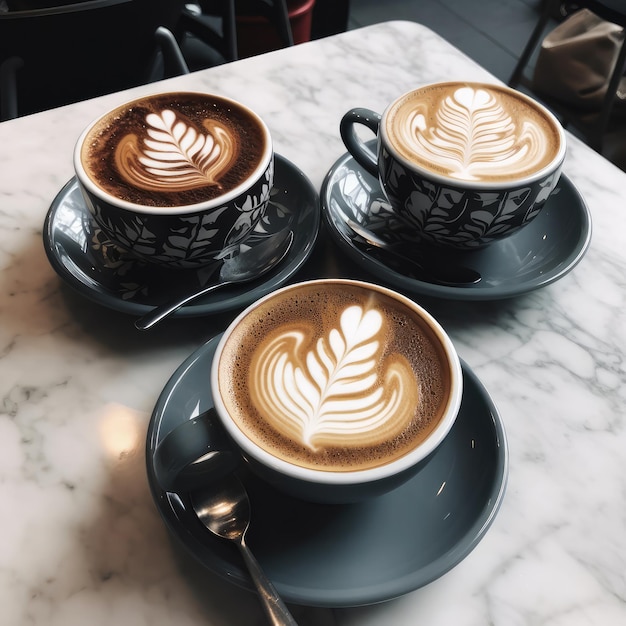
x,y
173,149
335,377
473,132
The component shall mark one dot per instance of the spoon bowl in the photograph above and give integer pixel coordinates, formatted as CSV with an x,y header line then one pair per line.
x,y
242,268
224,509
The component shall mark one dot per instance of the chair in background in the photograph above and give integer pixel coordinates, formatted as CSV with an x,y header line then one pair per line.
x,y
211,23
593,126
248,26
65,51
56,55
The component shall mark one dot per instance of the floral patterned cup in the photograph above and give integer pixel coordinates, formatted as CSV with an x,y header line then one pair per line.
x,y
177,179
462,164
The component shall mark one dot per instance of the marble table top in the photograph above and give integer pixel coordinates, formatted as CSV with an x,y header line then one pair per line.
x,y
81,540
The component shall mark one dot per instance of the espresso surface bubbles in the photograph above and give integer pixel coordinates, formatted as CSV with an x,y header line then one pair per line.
x,y
473,132
173,149
335,377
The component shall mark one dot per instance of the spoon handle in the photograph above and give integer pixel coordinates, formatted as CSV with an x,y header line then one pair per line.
x,y
275,609
163,310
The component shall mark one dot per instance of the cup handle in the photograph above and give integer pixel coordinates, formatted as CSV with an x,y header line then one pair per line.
x,y
356,147
194,454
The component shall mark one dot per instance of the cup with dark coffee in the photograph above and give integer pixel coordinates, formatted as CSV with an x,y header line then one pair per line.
x,y
176,178
332,390
462,164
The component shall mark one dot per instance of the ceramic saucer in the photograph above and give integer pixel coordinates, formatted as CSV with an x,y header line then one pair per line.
x,y
83,257
348,555
537,255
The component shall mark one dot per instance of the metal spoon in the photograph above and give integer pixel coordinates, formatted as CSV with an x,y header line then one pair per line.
x,y
435,271
225,510
241,268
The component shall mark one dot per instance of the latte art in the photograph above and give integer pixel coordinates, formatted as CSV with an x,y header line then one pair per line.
x,y
334,376
176,156
472,133
174,149
331,393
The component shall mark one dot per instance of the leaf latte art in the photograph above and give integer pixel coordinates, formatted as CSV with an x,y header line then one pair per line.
x,y
331,392
472,133
175,155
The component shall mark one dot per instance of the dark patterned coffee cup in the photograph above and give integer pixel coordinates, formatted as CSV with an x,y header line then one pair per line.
x,y
462,164
177,179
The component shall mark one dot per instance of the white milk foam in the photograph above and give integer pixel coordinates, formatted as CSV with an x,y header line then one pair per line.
x,y
472,133
337,377
175,155
333,392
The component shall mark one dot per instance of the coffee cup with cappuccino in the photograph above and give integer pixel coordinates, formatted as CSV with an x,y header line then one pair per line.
x,y
462,164
331,390
178,178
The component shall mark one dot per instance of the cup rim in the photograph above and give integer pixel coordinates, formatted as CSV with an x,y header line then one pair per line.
x,y
363,476
553,166
85,180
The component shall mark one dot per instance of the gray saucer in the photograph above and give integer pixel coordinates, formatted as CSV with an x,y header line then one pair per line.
x,y
348,555
99,270
540,253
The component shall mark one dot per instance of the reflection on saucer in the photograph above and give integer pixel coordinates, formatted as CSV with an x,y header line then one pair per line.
x,y
348,555
105,273
539,254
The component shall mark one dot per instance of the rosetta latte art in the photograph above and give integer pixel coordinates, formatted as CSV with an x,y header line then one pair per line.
x,y
175,156
332,392
472,136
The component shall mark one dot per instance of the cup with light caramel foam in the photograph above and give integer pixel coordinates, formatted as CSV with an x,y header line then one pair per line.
x,y
336,390
462,164
177,179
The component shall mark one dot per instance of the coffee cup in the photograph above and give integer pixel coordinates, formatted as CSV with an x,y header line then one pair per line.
x,y
330,390
177,179
462,164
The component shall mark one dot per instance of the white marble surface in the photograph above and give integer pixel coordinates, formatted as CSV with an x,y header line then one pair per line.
x,y
80,539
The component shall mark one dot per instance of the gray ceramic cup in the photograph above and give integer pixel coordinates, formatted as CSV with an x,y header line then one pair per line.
x,y
178,179
328,361
365,383
462,164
